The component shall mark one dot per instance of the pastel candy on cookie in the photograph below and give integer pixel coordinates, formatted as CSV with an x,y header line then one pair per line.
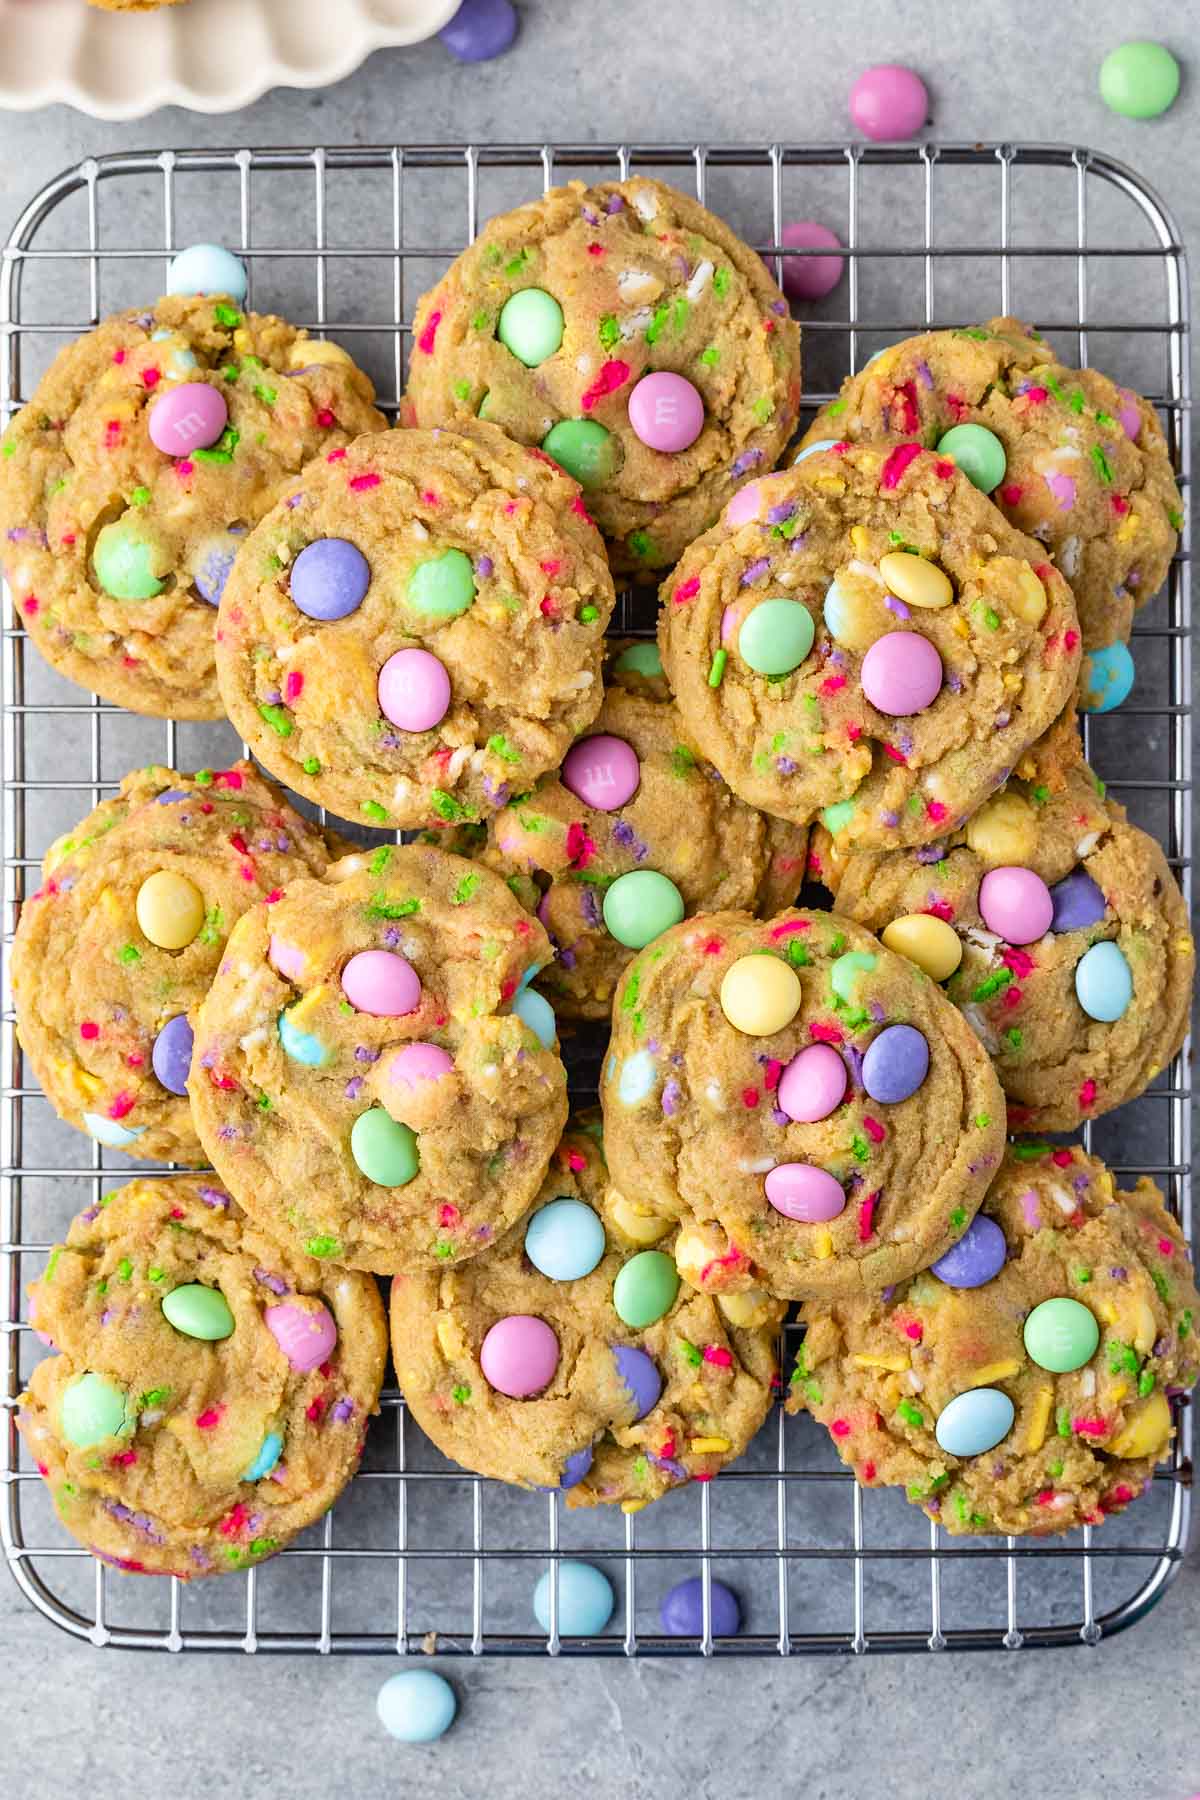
x,y
170,909
745,505
189,417
641,905
585,449
307,1335
902,673
412,1065
666,411
802,1191
301,1045
776,637
639,1373
976,1258
813,1085
978,452
975,1422
199,1311
535,1010
1107,678
602,771
330,578
1077,902
519,1356
381,983
896,1064
442,586
645,1288
171,1057
93,1408
130,562
208,269
928,941
1104,982
1016,904
1061,1335
531,325
565,1240
414,690
385,1150
760,995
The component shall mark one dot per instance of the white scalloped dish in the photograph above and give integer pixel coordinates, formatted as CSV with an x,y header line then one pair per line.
x,y
211,55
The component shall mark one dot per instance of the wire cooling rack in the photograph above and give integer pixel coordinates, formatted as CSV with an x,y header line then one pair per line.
x,y
417,1554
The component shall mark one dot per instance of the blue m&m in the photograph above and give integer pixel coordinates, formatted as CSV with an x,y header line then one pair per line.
x,y
565,1240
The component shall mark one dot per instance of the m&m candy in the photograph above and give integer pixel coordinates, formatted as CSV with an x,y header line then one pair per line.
x,y
1139,80
813,1085
170,909
927,941
639,906
977,1258
802,1191
330,578
171,1057
896,1063
682,1609
189,417
585,1600
889,101
810,277
584,448
531,325
382,984
776,636
414,690
603,771
417,1706
666,411
1015,904
384,1150
208,269
92,1408
760,995
974,1422
197,1311
442,586
1061,1335
645,1288
1077,901
1104,983
307,1335
978,452
639,1374
565,1240
519,1356
901,673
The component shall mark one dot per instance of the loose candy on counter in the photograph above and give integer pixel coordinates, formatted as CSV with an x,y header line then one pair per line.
x,y
977,1257
1016,904
519,1356
92,1409
170,909
1104,983
804,1192
307,1335
381,983
417,1706
666,411
639,1373
384,1150
208,269
480,30
198,1311
602,771
645,1288
813,1085
978,452
531,325
1139,80
975,1421
896,1064
776,636
189,417
902,673
171,1057
810,277
889,101
565,1240
414,690
760,995
585,1600
928,941
442,586
1106,678
330,578
682,1611
640,905
1061,1335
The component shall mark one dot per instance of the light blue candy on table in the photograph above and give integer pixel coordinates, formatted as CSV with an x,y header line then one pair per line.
x,y
1103,982
565,1240
585,1600
1108,677
208,269
536,1011
416,1706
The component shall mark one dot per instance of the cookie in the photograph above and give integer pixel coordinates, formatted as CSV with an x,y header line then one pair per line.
x,y
116,949
566,1356
364,1080
210,1393
632,833
633,337
149,450
1066,454
1053,924
808,1103
865,639
415,632
1021,1385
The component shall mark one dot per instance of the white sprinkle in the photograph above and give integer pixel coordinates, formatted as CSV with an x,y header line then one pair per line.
x,y
1087,1382
1063,1199
253,1038
585,362
401,794
714,1095
454,766
1068,557
867,571
1087,844
986,940
915,1384
756,1166
699,281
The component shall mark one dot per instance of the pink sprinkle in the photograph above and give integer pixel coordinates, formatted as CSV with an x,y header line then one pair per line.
x,y
124,1103
771,1074
359,483
1165,1247
750,1096
944,470
30,605
89,1029
1063,489
840,1428
124,1458
940,909
185,467
293,687
549,608
1036,396
1019,961
717,1353
68,538
868,1470
822,1033
788,928
832,685
552,567
336,455
119,356
713,946
210,1417
1120,505
1122,1494
234,1521
914,1331
1045,1497
1090,1427
595,249
1029,1206
135,1060
580,847
1087,1093
896,464
427,338
1010,493
429,498
112,433
687,590
151,377
581,511
325,418
1070,638
1062,1159
935,810
275,895
448,1215
732,1257
854,732
576,1161
873,1129
890,750
230,778
314,1409
613,374
866,1218
1011,998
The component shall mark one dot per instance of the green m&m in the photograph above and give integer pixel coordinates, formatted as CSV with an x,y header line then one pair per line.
x,y
92,1409
1139,80
385,1150
645,1288
1061,1335
978,452
584,449
442,586
639,659
531,326
845,971
776,636
128,564
198,1312
640,905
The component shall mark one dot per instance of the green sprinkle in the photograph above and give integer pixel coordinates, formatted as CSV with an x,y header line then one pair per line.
x,y
991,619
322,1246
481,320
641,543
958,1218
1101,463
721,282
129,953
443,1250
264,1103
689,1352
516,265
140,497
125,1269
464,890
1030,1152
222,451
203,778
1056,1469
1082,1275
859,1150
797,955
1185,1322
155,1274
589,614
381,859
910,1414
657,323
838,406
10,449
1105,419
263,1546
278,719
1176,518
629,999
679,315
993,984
982,1121
447,807
974,332
1062,1422
229,316
153,1397
311,765
268,395
682,760
763,408
610,331
641,1468
500,746
717,670
1039,794
1122,1358
710,357
231,371
462,390
1015,1037
460,1393
1160,1285
1075,402
1146,1383
214,925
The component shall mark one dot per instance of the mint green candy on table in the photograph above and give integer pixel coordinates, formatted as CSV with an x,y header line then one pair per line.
x,y
776,636
645,1288
584,449
531,326
640,906
443,586
978,452
198,1312
385,1151
128,565
91,1410
1139,80
1061,1335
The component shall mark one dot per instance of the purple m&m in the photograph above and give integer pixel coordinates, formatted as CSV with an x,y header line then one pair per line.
x,y
801,1191
330,578
414,690
602,771
576,1467
381,983
412,1065
187,418
977,1258
479,30
889,102
810,277
813,1085
901,673
1077,902
171,1057
682,1610
519,1356
666,411
306,1334
1016,904
639,1373
896,1064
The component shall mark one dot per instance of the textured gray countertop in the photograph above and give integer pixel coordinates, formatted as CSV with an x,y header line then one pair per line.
x,y
1116,1720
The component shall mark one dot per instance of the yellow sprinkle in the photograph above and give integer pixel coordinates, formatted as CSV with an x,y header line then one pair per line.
x,y
633,1506
1185,946
1039,1418
242,339
997,1371
822,1243
85,1085
895,1363
1106,1185
830,484
307,1002
110,903
1129,529
1012,680
702,1446
860,538
1107,1311
1119,1391
959,625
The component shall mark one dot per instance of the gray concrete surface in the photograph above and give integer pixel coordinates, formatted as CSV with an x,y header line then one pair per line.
x,y
1116,1720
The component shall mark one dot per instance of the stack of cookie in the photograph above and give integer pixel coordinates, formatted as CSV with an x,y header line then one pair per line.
x,y
866,668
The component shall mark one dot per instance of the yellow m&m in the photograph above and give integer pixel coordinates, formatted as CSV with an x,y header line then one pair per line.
x,y
915,581
760,995
1003,831
929,942
170,909
638,1223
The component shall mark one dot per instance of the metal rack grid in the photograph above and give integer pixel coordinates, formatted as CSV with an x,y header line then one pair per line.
x,y
827,1568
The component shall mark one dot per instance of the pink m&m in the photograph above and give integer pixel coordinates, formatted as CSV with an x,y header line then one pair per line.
x,y
810,277
381,983
412,1065
190,417
666,411
901,673
287,958
306,1334
1016,904
744,506
519,1356
801,1191
602,771
414,690
889,101
813,1085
